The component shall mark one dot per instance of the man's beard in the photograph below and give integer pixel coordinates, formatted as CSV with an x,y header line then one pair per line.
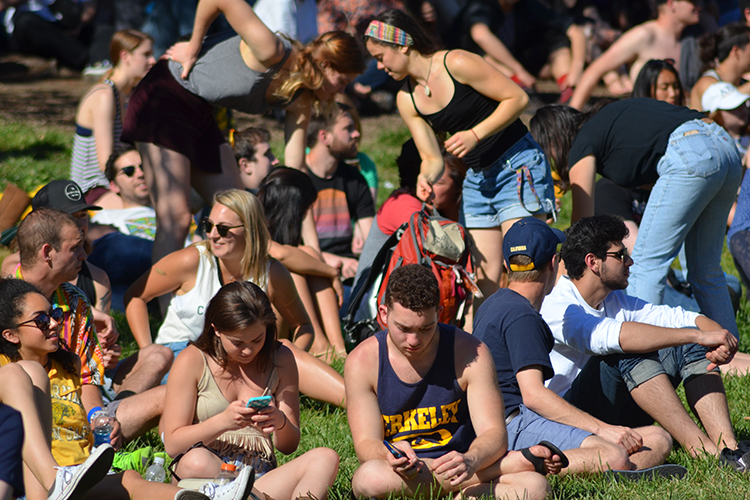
x,y
342,153
613,280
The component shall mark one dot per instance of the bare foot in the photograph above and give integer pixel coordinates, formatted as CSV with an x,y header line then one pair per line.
x,y
514,461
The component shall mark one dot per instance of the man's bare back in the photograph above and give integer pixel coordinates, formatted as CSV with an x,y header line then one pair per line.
x,y
658,39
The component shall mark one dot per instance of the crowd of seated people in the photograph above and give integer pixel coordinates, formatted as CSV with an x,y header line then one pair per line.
x,y
248,285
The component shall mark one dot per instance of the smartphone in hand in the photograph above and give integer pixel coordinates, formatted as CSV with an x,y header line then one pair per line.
x,y
394,451
259,402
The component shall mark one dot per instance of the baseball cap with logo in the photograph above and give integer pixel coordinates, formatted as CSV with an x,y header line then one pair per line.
x,y
722,95
533,238
63,195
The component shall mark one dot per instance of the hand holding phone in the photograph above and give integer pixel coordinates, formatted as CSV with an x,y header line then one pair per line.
x,y
258,403
394,451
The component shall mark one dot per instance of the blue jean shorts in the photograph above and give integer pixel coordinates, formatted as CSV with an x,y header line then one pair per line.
x,y
529,428
518,184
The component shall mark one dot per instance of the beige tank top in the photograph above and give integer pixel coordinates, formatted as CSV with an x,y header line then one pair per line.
x,y
248,441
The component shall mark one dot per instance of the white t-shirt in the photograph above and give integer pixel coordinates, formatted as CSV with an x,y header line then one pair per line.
x,y
135,221
581,331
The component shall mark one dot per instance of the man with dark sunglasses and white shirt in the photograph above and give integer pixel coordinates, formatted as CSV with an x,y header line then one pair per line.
x,y
619,358
123,231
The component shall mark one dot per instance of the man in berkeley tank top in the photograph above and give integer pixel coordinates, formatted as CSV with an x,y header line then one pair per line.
x,y
430,391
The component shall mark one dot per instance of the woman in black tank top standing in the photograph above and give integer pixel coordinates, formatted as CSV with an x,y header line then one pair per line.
x,y
458,94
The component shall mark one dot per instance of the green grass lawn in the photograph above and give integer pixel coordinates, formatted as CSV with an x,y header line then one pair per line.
x,y
30,156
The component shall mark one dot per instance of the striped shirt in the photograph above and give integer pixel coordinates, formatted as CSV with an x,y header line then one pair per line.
x,y
84,168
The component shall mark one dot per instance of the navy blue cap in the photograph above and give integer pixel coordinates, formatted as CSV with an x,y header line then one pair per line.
x,y
533,238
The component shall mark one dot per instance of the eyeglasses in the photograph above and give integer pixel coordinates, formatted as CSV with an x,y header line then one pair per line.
x,y
623,255
208,226
129,170
43,320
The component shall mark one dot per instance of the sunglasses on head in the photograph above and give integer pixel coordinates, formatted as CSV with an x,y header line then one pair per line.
x,y
129,170
42,320
208,226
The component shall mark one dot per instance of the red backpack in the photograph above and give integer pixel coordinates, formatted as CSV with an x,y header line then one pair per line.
x,y
443,246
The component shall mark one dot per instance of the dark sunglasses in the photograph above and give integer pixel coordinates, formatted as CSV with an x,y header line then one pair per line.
x,y
208,226
42,320
623,255
129,170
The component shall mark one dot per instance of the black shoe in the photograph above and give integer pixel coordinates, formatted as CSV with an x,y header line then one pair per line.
x,y
735,459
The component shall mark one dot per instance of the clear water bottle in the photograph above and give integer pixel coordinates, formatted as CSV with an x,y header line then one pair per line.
x,y
226,475
155,471
101,426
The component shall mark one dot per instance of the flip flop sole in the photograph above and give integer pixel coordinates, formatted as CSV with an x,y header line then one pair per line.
x,y
666,471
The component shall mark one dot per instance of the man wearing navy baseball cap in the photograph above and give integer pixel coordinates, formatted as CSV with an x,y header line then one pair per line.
x,y
520,342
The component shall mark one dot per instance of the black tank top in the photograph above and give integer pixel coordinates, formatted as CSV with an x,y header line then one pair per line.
x,y
466,109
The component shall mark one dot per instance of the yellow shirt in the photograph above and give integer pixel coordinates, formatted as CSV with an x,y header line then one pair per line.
x,y
71,436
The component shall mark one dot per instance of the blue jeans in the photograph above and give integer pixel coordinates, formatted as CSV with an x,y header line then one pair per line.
x,y
698,180
491,195
603,387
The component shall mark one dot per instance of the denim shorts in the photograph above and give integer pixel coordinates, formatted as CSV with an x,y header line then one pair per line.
x,y
517,185
679,363
529,428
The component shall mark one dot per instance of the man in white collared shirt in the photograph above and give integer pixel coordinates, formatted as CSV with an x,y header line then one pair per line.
x,y
619,358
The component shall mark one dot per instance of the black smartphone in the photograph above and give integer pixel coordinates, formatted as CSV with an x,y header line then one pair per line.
x,y
394,451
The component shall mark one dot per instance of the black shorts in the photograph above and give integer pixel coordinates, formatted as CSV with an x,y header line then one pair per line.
x,y
163,112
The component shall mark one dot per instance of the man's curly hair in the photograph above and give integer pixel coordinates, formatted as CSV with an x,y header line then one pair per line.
x,y
414,287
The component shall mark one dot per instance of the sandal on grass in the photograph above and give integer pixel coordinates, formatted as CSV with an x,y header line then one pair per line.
x,y
666,471
538,462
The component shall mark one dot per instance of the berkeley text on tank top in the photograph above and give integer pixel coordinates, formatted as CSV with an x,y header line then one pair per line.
x,y
466,109
432,414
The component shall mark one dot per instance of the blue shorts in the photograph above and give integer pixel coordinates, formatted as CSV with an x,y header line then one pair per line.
x,y
177,348
529,428
491,195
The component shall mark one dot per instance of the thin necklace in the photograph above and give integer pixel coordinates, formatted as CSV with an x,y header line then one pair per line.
x,y
427,90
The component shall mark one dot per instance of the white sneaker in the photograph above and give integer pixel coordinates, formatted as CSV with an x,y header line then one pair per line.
x,y
73,482
239,489
97,69
190,495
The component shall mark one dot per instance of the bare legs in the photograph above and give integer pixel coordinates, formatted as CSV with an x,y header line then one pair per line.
x,y
705,394
169,175
137,414
144,369
309,475
317,379
510,477
597,454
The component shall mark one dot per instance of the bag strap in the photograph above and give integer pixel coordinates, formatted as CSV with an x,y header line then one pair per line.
x,y
373,272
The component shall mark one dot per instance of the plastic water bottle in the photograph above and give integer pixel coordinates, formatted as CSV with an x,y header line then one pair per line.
x,y
155,471
226,475
101,426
